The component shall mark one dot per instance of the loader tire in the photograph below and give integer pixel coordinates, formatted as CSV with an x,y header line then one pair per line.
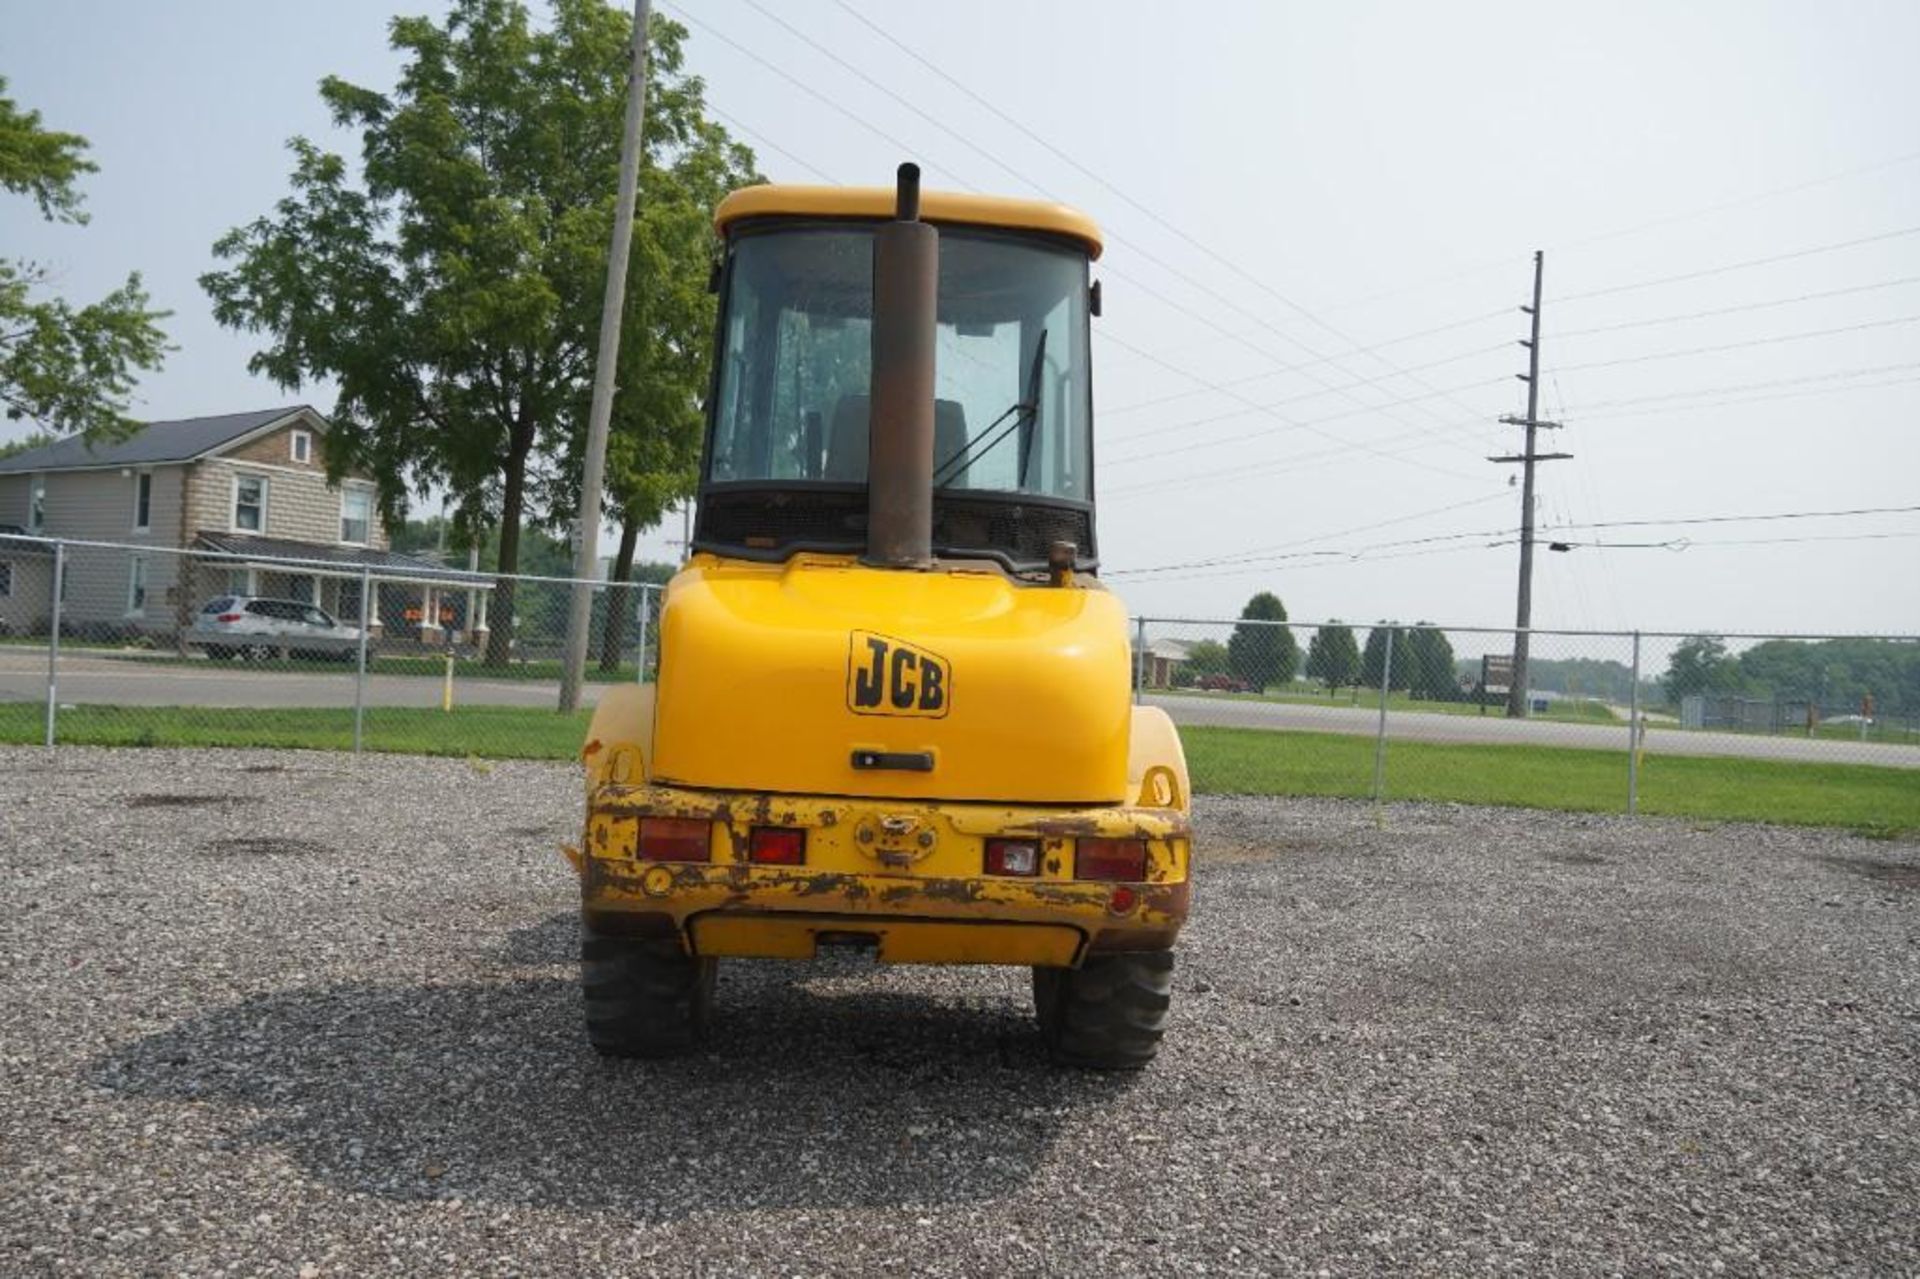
x,y
1107,1014
644,998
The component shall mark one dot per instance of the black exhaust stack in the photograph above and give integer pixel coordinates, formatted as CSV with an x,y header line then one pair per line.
x,y
906,276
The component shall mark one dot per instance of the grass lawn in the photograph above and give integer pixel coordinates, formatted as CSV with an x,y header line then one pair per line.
x,y
1224,761
1570,710
492,732
1255,762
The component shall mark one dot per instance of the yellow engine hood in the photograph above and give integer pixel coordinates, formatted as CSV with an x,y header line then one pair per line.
x,y
952,684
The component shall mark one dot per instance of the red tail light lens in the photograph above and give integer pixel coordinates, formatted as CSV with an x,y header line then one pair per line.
x,y
1121,859
777,846
675,839
1013,857
229,617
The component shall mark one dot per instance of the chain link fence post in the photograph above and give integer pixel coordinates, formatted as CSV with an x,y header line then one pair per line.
x,y
360,667
1633,733
1380,734
1140,660
646,612
53,639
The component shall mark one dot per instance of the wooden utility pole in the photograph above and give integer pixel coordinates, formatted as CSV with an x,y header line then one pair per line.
x,y
586,554
1523,611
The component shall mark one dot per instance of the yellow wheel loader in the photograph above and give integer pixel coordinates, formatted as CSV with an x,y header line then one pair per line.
x,y
894,707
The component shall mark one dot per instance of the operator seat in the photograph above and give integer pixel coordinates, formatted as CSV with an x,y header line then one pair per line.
x,y
847,442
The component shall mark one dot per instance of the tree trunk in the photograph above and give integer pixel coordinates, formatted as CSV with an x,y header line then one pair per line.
x,y
619,597
512,502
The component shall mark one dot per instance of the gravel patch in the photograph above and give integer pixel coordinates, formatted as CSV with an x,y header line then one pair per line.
x,y
288,1013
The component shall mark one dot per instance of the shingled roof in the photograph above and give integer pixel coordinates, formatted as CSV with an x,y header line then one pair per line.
x,y
182,440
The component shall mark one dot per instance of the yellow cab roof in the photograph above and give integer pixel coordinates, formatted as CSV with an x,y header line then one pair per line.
x,y
771,201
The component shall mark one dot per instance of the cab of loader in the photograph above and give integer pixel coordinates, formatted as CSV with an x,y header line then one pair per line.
x,y
793,406
893,707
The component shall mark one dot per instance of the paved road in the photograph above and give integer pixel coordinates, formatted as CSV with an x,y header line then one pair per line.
x,y
101,679
119,681
279,1014
1429,726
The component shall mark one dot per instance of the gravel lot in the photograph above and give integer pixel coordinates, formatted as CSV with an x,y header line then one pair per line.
x,y
269,1013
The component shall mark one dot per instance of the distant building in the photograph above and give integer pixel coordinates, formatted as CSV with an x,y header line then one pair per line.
x,y
1164,658
251,486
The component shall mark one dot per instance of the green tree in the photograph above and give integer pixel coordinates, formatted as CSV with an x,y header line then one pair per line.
x,y
1374,662
69,368
1333,656
1429,658
453,291
1206,657
1700,664
1263,654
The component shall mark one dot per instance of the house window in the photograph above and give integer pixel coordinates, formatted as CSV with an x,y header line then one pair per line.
x,y
6,578
249,504
303,446
136,586
37,504
142,501
356,514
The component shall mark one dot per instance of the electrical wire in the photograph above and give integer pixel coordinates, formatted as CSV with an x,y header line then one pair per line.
x,y
867,124
1734,310
1354,346
1703,273
1324,537
1502,313
1740,346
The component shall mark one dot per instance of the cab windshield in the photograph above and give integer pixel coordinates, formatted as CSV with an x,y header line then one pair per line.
x,y
1012,408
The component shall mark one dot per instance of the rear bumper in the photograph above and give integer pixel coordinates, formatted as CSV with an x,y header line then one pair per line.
x,y
905,878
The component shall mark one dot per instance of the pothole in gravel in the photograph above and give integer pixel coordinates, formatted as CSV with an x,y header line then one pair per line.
x,y
267,846
1896,874
264,768
187,801
1577,859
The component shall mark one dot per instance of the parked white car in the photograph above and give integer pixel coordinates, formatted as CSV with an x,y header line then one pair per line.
x,y
260,630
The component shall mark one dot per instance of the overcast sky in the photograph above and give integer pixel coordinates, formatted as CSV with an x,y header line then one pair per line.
x,y
1321,223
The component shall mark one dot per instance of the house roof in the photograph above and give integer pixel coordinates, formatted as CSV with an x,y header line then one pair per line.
x,y
263,550
181,440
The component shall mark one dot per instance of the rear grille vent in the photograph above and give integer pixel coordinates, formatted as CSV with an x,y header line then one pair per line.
x,y
777,519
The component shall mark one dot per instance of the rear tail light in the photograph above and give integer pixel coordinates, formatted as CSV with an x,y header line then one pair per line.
x,y
777,846
229,617
1117,859
1013,857
675,839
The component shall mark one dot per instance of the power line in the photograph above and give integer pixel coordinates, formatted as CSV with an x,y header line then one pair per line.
x,y
1256,557
1740,266
1587,410
1213,561
1738,346
1749,519
1271,407
1573,245
769,144
1309,427
1735,310
1197,315
1207,249
1257,377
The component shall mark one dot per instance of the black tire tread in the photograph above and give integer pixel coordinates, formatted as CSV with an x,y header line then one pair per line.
x,y
643,998
1108,1014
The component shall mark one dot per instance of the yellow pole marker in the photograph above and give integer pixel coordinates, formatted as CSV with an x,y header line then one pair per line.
x,y
446,690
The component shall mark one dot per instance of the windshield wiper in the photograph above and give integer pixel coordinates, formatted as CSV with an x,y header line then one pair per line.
x,y
1021,411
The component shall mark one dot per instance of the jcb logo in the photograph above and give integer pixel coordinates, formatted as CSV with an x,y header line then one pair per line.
x,y
887,676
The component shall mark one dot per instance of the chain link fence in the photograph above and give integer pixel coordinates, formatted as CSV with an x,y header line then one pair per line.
x,y
1419,711
119,645
114,644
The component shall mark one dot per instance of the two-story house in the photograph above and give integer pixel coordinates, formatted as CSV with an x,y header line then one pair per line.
x,y
244,491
